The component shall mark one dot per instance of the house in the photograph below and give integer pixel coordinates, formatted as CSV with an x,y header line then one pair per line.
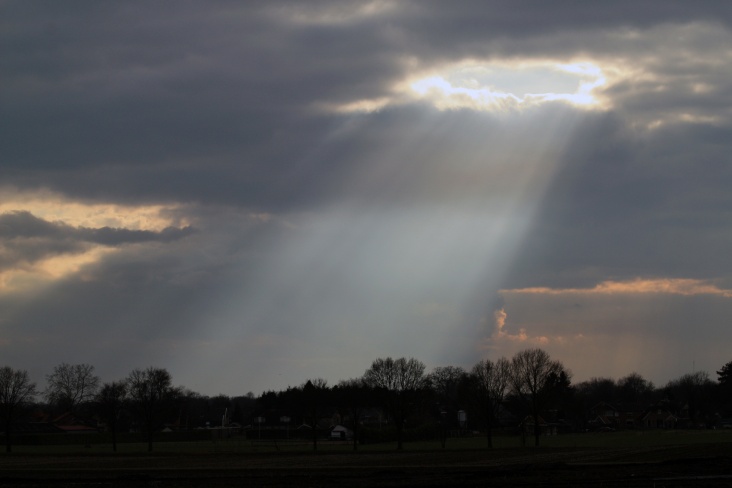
x,y
658,418
604,416
72,424
340,432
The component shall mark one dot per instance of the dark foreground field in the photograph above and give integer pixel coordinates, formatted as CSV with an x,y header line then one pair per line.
x,y
653,466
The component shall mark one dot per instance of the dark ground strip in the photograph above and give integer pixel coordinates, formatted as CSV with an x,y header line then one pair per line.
x,y
707,465
679,473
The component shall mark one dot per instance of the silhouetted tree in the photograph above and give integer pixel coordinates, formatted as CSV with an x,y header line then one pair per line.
x,y
353,395
16,391
692,393
314,394
110,403
151,394
533,373
636,392
596,390
71,385
400,381
560,392
444,382
192,408
724,376
244,407
491,381
215,409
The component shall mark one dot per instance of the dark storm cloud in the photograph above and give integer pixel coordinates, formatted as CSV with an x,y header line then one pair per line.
x,y
204,90
215,102
635,204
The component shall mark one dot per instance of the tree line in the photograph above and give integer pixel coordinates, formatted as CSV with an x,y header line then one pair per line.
x,y
526,391
146,395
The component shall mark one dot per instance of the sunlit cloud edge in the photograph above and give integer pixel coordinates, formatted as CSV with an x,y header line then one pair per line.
x,y
667,286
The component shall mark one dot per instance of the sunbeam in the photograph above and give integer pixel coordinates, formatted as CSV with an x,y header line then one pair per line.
x,y
418,244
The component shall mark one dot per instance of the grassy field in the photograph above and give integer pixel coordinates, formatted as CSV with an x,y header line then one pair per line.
x,y
241,445
658,458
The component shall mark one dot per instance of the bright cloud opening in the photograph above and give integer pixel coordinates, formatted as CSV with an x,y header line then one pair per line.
x,y
501,87
495,86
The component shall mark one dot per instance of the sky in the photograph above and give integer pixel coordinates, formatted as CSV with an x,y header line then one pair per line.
x,y
253,194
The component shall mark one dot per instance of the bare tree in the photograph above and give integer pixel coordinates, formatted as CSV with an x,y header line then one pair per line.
x,y
16,390
635,391
151,393
445,382
401,381
491,385
694,393
314,393
532,375
354,395
110,402
71,385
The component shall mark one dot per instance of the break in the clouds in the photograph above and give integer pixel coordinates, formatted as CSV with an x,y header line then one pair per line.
x,y
254,194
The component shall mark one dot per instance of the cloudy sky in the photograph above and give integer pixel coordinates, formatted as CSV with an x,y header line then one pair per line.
x,y
252,194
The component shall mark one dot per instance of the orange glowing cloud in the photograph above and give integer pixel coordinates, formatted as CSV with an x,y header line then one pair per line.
x,y
501,334
668,286
58,210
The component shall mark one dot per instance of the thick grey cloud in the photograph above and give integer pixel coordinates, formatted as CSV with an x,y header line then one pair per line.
x,y
216,101
635,204
325,238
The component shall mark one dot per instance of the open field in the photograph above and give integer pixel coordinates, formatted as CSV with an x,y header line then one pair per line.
x,y
660,459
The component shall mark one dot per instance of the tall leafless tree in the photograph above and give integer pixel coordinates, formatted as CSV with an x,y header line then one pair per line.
x,y
314,394
355,396
71,385
445,382
110,402
635,392
401,381
532,375
151,394
491,380
16,390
